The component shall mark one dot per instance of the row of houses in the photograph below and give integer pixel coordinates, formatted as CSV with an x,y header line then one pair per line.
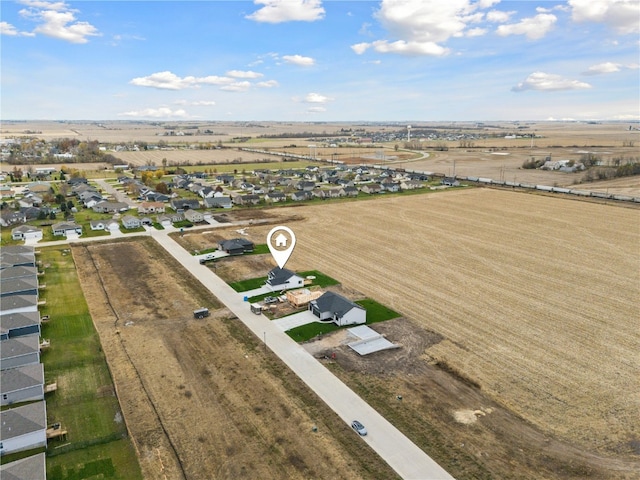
x,y
23,426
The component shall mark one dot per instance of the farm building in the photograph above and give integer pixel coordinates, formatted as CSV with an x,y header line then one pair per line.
x,y
236,246
23,428
19,351
19,324
283,279
30,468
22,384
26,232
331,307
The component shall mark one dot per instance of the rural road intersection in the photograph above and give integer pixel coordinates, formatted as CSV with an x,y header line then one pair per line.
x,y
409,461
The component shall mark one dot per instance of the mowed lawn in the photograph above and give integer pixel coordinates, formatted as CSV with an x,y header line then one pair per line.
x,y
84,403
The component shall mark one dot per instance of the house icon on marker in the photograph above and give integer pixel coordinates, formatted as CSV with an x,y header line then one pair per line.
x,y
281,241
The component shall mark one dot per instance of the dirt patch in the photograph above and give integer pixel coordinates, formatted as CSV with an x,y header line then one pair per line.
x,y
201,398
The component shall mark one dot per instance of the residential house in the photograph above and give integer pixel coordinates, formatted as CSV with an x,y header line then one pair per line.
x,y
236,246
182,204
301,195
218,202
194,216
450,182
12,217
18,272
19,286
331,307
22,384
19,351
23,428
129,222
26,232
411,184
66,229
19,324
349,191
18,304
275,197
371,188
110,207
168,219
250,199
282,279
28,468
151,207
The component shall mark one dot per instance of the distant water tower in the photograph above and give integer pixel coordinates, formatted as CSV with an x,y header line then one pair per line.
x,y
408,133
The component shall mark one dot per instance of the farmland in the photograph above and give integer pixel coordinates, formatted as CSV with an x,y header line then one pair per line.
x,y
534,299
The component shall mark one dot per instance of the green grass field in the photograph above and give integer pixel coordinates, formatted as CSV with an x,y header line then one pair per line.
x,y
84,403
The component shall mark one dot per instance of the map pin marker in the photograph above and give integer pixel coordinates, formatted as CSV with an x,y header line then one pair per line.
x,y
282,245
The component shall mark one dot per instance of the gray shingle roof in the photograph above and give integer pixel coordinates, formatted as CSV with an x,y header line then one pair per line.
x,y
22,420
19,378
29,468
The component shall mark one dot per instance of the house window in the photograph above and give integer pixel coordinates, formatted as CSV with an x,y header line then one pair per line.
x,y
4,396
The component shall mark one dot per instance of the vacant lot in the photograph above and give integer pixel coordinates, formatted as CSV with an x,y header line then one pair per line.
x,y
535,299
202,398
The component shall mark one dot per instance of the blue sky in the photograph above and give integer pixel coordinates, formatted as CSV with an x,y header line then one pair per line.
x,y
320,60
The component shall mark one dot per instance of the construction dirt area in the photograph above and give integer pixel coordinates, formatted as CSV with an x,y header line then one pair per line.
x,y
518,349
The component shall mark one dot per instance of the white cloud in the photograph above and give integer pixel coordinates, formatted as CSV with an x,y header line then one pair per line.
x,y
237,87
162,112
8,29
606,67
498,16
278,11
203,103
549,82
57,20
267,84
420,27
243,74
620,15
533,27
299,60
609,67
316,98
170,81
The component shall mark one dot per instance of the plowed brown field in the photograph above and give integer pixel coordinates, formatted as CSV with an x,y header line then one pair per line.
x,y
537,298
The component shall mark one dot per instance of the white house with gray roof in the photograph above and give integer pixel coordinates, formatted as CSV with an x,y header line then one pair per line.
x,y
331,307
23,428
282,279
22,384
19,351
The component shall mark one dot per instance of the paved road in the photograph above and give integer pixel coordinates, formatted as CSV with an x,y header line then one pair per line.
x,y
397,450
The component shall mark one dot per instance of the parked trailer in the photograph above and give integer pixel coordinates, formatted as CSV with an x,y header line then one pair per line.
x,y
201,313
